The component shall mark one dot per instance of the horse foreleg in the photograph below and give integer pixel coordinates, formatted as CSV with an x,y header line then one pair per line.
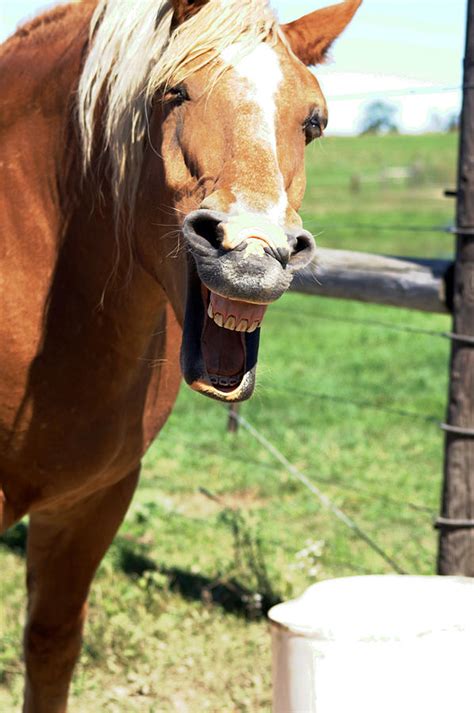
x,y
64,550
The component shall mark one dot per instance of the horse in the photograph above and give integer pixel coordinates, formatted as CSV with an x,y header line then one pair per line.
x,y
151,172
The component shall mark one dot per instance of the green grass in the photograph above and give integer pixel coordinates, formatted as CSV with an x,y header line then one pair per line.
x,y
329,200
218,524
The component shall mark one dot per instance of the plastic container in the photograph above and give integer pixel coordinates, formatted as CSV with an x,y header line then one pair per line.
x,y
376,644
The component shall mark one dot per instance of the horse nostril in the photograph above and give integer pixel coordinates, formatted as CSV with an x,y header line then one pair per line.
x,y
303,249
203,230
303,242
207,228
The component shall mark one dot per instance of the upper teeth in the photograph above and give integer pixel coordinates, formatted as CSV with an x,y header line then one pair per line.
x,y
231,322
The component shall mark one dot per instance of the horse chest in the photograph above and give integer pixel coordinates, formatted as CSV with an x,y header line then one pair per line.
x,y
75,430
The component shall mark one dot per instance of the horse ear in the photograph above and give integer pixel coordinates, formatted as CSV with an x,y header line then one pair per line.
x,y
185,8
311,36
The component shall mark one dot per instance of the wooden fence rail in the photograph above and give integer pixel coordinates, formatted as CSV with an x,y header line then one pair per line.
x,y
411,283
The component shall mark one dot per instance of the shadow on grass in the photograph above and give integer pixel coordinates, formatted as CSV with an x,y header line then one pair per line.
x,y
225,592
229,594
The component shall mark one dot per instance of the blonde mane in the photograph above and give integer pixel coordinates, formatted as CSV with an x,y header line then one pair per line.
x,y
133,54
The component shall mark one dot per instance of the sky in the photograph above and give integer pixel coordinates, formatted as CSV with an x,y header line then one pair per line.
x,y
391,47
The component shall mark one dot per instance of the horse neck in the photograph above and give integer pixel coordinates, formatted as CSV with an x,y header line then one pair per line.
x,y
68,220
98,264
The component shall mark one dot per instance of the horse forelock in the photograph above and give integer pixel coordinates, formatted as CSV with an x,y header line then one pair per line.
x,y
133,54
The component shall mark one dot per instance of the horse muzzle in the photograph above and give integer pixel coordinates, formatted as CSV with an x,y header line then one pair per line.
x,y
237,266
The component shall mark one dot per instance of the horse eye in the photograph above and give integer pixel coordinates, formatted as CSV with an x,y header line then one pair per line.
x,y
176,95
313,127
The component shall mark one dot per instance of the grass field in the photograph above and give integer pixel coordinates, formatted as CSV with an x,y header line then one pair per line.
x,y
219,530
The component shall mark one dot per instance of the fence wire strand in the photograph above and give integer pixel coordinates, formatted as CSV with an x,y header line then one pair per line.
x,y
446,229
322,497
407,91
362,493
354,402
363,322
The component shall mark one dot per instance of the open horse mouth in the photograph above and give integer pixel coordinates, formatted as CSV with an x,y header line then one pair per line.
x,y
220,344
224,339
230,284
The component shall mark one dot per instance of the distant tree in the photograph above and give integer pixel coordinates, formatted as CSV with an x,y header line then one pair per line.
x,y
453,123
379,118
444,122
436,122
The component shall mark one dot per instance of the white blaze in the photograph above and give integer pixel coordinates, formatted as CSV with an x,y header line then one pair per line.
x,y
262,72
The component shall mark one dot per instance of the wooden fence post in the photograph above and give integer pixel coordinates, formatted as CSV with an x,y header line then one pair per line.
x,y
233,423
456,524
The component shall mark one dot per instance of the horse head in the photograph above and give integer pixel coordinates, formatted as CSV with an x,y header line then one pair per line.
x,y
230,115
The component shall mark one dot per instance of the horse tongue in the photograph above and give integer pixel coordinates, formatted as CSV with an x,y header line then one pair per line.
x,y
245,314
223,350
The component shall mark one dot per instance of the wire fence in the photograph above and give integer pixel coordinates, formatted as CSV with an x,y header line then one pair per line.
x,y
405,91
317,484
380,403
404,328
344,401
333,481
308,316
330,489
276,395
358,227
323,498
314,481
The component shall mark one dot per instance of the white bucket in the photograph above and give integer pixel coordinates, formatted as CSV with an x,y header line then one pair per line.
x,y
376,644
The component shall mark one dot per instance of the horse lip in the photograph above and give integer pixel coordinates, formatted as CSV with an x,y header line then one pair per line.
x,y
240,393
241,299
255,280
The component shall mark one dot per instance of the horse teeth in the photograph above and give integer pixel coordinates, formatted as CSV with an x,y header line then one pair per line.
x,y
225,381
230,322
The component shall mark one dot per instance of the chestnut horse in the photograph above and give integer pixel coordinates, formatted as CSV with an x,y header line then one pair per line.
x,y
152,166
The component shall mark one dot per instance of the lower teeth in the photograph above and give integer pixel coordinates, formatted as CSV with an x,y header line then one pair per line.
x,y
224,380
